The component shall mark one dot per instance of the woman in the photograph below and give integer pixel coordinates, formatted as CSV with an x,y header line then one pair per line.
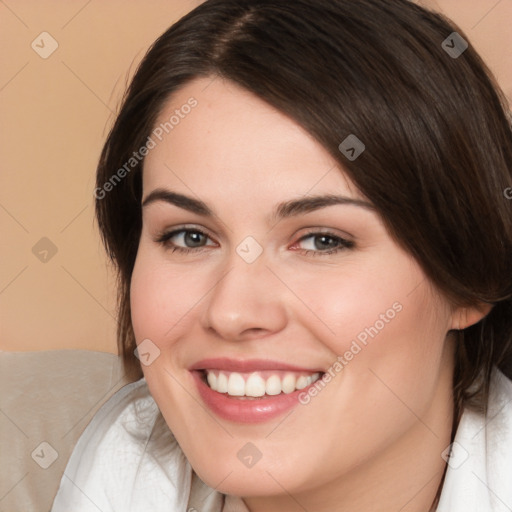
x,y
306,205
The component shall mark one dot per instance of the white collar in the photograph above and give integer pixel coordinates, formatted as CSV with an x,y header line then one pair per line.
x,y
479,473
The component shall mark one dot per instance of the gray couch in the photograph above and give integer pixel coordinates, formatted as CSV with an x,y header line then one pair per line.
x,y
46,400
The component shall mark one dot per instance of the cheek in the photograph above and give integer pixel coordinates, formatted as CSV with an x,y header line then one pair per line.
x,y
392,358
146,293
386,329
161,298
358,304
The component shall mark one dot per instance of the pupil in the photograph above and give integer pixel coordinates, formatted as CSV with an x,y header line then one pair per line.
x,y
325,242
193,239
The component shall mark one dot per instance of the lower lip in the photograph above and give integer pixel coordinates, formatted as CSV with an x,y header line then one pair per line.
x,y
239,410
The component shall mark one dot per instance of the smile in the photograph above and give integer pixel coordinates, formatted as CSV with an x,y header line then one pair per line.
x,y
258,384
251,391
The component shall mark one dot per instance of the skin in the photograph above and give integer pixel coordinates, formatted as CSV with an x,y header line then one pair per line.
x,y
372,438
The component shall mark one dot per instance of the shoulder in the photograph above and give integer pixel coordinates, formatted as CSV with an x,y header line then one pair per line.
x,y
479,468
117,464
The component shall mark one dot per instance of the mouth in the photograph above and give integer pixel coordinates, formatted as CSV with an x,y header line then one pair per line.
x,y
251,391
257,385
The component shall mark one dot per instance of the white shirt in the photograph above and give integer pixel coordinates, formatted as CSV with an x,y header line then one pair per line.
x,y
115,466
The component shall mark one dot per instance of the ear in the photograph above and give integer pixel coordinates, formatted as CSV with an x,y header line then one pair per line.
x,y
463,317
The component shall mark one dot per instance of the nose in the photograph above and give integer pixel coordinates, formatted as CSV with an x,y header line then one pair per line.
x,y
246,302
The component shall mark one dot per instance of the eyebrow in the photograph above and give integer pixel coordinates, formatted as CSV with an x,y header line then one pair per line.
x,y
283,210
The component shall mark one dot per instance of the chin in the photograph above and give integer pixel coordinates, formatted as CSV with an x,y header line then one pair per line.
x,y
242,482
230,476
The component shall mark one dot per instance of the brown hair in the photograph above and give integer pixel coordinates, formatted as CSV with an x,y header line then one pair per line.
x,y
438,155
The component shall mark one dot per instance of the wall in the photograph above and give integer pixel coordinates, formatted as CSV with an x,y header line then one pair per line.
x,y
56,290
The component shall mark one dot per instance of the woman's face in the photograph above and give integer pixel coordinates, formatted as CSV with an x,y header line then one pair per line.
x,y
243,279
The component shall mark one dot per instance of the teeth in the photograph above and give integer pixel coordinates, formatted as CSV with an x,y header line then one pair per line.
x,y
236,385
255,385
222,383
212,380
288,383
302,382
273,385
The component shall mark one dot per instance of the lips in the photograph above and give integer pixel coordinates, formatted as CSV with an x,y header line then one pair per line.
x,y
251,391
248,365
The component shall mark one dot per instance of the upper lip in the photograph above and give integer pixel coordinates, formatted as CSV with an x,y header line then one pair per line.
x,y
247,365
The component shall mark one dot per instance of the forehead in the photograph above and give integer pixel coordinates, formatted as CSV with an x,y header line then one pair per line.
x,y
213,135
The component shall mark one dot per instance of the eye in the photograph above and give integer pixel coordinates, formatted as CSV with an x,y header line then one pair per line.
x,y
184,240
318,243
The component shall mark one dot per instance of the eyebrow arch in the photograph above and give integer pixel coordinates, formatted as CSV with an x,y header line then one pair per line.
x,y
283,210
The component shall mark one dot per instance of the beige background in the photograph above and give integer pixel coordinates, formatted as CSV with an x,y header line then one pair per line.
x,y
55,114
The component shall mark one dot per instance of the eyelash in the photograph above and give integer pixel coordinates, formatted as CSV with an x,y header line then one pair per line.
x,y
342,243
